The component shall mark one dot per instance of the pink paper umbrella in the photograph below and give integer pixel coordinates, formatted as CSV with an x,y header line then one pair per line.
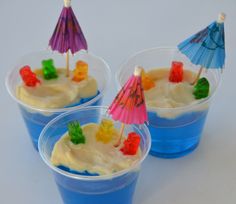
x,y
129,106
68,34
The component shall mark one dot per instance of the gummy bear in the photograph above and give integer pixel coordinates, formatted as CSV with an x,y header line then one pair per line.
x,y
201,89
49,70
176,72
147,82
131,144
76,133
106,131
80,71
29,77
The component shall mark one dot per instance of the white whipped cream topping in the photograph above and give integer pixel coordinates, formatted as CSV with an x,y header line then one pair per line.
x,y
93,156
166,96
56,93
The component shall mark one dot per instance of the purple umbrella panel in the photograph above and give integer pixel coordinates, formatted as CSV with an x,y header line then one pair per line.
x,y
68,34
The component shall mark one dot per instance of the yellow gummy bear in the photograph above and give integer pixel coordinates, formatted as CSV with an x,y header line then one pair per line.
x,y
106,131
80,71
147,82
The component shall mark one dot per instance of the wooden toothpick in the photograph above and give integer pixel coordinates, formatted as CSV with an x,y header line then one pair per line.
x,y
120,135
67,64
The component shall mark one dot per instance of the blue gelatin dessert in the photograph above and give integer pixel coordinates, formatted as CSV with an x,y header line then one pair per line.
x,y
49,92
93,156
176,115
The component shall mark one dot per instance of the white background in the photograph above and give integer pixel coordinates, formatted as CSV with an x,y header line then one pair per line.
x,y
115,29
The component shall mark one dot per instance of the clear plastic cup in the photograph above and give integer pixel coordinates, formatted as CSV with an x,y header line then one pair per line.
x,y
175,132
117,188
36,118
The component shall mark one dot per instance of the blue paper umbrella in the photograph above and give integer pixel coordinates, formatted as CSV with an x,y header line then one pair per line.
x,y
207,47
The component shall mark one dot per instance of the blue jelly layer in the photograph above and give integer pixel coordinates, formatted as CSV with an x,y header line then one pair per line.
x,y
172,138
85,173
35,122
118,190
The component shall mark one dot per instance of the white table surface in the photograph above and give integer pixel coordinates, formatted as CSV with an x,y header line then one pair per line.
x,y
115,30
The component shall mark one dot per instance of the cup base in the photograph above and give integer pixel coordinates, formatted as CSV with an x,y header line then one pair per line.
x,y
173,155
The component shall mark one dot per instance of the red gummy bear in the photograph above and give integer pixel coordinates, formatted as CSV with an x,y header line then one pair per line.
x,y
131,144
176,72
29,77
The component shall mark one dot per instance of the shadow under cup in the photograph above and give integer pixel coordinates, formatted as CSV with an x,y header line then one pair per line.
x,y
175,132
75,188
36,118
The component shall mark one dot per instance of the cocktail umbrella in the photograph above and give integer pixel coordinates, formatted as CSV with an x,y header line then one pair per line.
x,y
129,106
207,47
67,34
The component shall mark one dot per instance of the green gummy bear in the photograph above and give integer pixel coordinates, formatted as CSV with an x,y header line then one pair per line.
x,y
49,70
76,133
201,89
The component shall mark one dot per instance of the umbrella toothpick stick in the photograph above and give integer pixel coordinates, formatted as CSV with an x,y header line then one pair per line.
x,y
198,76
129,107
67,36
206,48
67,64
120,135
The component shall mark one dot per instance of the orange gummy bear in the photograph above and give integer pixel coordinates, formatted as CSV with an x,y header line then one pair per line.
x,y
147,82
80,71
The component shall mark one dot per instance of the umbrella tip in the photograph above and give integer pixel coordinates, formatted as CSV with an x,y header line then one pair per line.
x,y
67,3
137,71
221,17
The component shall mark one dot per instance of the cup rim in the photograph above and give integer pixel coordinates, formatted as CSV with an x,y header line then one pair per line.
x,y
187,107
59,110
82,177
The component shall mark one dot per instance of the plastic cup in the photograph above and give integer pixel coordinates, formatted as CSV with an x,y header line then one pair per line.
x,y
175,132
117,188
36,118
